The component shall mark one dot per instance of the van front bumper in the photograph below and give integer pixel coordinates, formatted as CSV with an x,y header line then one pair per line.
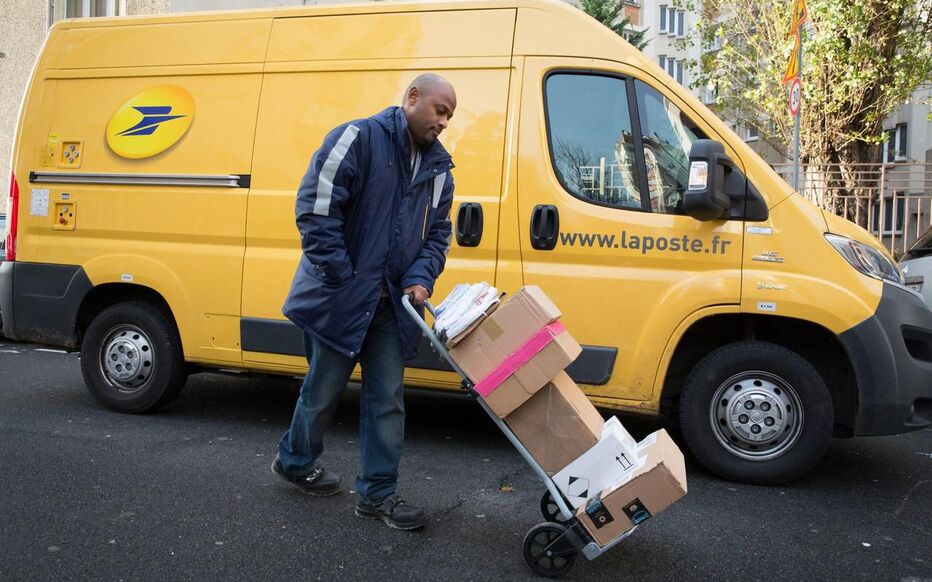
x,y
891,353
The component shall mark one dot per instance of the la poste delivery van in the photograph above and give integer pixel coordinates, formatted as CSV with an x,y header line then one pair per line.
x,y
151,224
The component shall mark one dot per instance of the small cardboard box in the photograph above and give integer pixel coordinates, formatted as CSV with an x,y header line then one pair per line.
x,y
653,487
503,332
611,459
557,425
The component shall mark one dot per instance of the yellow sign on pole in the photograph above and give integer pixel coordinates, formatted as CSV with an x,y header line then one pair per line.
x,y
800,15
792,68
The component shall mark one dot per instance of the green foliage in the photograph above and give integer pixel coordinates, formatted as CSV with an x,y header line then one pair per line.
x,y
861,58
609,13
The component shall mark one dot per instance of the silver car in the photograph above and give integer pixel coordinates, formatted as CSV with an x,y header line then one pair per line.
x,y
916,265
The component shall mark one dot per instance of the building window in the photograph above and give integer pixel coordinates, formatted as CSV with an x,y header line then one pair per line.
x,y
681,23
679,73
751,133
893,212
894,149
711,95
662,61
663,19
91,8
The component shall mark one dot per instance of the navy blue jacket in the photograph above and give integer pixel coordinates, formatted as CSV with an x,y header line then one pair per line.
x,y
364,219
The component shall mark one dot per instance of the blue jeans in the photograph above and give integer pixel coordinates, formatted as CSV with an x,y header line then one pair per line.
x,y
381,406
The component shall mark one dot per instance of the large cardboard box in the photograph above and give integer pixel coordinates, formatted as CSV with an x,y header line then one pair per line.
x,y
653,487
509,327
521,376
557,424
516,351
611,459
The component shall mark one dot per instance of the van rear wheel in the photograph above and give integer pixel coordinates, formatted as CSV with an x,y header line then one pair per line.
x,y
756,412
131,358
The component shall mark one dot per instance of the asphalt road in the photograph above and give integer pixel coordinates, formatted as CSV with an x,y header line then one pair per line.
x,y
186,494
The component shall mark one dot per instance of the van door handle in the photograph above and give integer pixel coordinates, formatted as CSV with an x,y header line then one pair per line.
x,y
545,226
469,224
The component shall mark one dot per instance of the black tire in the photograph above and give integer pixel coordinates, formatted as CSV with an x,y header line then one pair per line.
x,y
145,367
537,540
763,387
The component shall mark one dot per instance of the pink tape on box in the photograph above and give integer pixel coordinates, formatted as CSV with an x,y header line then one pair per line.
x,y
521,357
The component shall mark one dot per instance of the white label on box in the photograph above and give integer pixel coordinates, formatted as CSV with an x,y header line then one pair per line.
x,y
648,441
39,202
611,459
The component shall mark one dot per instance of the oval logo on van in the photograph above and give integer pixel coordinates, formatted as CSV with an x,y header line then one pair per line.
x,y
151,122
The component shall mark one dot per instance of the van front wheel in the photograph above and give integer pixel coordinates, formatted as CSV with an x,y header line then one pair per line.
x,y
131,358
756,412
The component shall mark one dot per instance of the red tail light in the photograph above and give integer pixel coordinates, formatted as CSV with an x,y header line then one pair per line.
x,y
12,218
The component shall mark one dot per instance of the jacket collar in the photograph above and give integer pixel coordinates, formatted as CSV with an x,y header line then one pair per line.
x,y
394,121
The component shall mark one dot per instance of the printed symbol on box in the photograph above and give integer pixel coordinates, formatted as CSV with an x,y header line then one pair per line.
x,y
578,487
599,514
624,461
636,512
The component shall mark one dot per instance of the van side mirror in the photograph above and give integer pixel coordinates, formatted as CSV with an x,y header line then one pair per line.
x,y
705,197
717,190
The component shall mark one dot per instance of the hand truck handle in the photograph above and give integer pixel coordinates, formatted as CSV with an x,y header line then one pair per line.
x,y
432,337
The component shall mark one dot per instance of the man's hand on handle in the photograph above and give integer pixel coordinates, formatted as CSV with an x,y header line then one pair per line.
x,y
418,294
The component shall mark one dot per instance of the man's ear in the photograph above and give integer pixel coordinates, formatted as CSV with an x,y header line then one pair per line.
x,y
412,97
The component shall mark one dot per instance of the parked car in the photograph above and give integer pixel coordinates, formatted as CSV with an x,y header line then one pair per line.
x,y
916,265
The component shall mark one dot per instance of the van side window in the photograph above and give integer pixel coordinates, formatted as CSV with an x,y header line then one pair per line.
x,y
591,141
667,137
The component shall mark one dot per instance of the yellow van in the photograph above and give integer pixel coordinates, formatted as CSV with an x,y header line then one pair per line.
x,y
152,219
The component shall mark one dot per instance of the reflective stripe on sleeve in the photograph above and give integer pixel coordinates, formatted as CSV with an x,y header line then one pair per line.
x,y
329,171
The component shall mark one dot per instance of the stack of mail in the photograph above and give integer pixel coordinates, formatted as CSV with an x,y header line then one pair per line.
x,y
463,306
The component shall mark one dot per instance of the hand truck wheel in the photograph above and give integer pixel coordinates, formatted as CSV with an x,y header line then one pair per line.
x,y
548,551
550,510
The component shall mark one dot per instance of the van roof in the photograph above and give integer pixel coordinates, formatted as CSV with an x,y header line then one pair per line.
x,y
543,27
329,9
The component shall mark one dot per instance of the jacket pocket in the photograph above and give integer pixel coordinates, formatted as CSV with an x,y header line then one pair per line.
x,y
319,273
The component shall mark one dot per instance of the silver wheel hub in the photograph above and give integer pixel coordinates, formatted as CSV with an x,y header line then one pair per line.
x,y
756,415
127,358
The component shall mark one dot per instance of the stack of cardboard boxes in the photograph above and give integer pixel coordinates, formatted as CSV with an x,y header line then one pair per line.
x,y
516,356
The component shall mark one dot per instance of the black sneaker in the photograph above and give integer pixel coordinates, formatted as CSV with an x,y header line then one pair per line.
x,y
393,511
318,482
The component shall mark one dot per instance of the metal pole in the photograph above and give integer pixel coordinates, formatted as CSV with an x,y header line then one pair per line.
x,y
799,62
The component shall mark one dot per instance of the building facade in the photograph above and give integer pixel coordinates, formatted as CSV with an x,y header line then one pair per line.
x,y
671,33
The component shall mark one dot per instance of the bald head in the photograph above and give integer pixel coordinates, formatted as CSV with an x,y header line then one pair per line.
x,y
428,106
429,83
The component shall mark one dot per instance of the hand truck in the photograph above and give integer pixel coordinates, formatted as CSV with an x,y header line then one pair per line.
x,y
550,548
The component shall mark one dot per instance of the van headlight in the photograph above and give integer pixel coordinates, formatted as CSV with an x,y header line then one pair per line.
x,y
866,259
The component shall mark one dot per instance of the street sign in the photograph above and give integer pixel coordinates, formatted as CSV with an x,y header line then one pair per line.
x,y
796,96
792,68
800,15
